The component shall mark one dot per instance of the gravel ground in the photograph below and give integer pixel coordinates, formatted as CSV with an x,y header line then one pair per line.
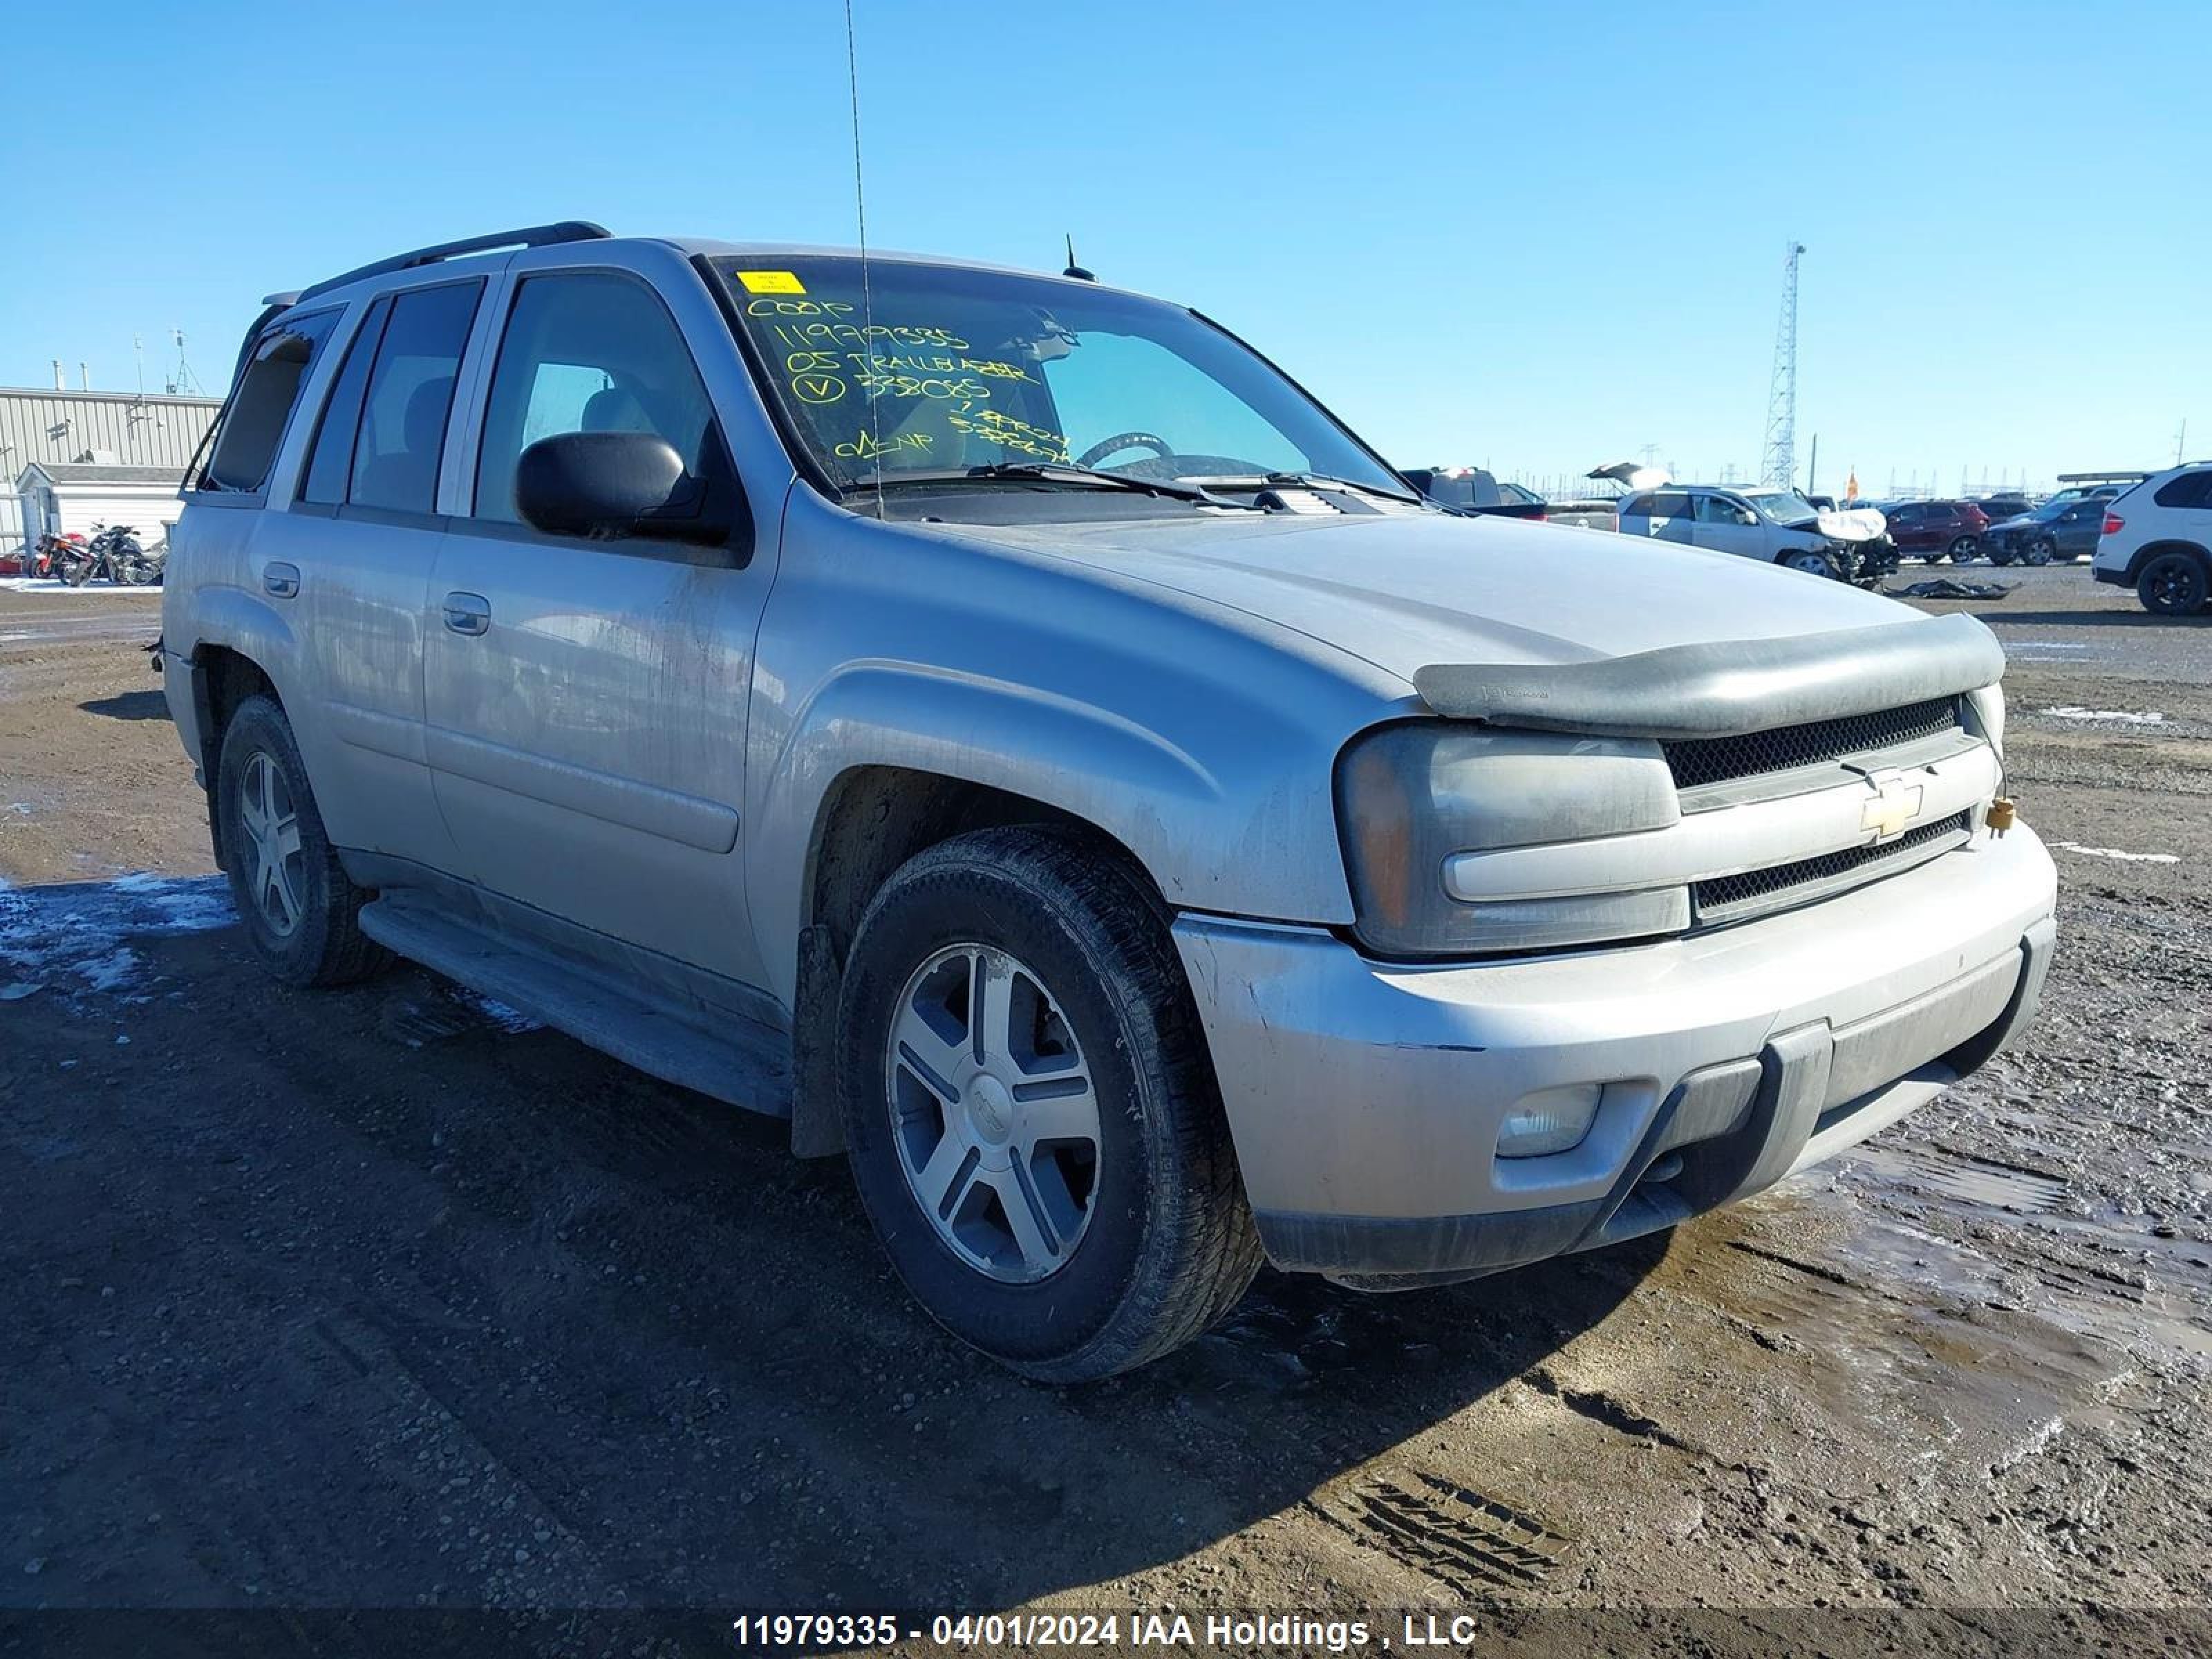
x,y
388,1299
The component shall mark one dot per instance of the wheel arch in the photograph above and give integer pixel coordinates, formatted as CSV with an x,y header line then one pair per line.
x,y
871,819
2150,550
222,677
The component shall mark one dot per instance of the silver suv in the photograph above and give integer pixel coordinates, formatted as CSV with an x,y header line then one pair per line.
x,y
1004,727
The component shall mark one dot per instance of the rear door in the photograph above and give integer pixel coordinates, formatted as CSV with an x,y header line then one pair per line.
x,y
352,557
2078,528
1662,514
586,699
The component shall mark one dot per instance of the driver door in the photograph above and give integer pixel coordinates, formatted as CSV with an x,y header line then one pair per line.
x,y
1722,523
586,699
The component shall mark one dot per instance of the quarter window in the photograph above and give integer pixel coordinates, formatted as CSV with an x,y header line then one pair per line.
x,y
2190,489
590,351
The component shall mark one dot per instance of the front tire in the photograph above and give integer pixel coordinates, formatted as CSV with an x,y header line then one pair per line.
x,y
302,915
2173,584
1814,563
1030,1111
2038,551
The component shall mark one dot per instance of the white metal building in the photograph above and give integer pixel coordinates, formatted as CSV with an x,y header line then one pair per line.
x,y
110,429
82,496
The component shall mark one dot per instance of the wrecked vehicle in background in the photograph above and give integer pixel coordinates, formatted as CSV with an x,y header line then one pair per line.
x,y
1474,490
1769,524
1002,727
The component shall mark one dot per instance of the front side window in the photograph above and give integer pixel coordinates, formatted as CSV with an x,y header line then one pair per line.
x,y
1719,510
931,371
590,351
260,407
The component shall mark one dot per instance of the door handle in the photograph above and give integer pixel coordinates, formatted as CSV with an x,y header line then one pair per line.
x,y
468,613
280,580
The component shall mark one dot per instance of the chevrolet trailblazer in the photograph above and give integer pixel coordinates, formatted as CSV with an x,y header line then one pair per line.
x,y
1004,727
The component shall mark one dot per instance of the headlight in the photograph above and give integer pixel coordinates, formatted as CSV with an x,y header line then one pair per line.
x,y
1986,706
1409,797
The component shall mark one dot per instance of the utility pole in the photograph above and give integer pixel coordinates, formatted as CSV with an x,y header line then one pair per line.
x,y
1812,467
2181,440
1780,464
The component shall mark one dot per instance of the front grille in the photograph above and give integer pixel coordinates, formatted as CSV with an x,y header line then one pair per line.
x,y
1722,898
1696,761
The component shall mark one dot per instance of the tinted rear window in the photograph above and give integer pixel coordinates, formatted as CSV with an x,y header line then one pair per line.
x,y
2190,489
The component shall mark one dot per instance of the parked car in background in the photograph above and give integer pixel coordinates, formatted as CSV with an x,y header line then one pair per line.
x,y
1938,530
1779,526
2092,487
1109,807
2008,504
2157,537
2060,529
1473,490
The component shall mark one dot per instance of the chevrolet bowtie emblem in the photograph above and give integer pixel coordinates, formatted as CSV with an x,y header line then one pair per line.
x,y
1895,803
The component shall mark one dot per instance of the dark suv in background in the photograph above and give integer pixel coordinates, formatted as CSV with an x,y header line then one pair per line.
x,y
2065,527
1938,530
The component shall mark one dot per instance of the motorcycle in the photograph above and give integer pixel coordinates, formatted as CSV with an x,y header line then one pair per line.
x,y
114,552
48,558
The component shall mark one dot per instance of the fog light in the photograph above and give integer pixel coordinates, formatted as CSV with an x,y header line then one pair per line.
x,y
1549,1121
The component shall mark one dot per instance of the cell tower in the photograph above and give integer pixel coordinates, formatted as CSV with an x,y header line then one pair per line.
x,y
1780,465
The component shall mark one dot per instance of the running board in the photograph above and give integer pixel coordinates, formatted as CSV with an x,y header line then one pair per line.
x,y
736,1060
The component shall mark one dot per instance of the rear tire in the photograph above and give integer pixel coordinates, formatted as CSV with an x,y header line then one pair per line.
x,y
302,915
1962,549
1064,1265
2173,585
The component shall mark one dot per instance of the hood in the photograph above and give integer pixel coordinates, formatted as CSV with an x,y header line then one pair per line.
x,y
1856,524
1408,593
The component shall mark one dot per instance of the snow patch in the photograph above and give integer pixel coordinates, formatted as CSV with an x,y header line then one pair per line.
x,y
53,584
511,1020
72,935
2076,711
2120,854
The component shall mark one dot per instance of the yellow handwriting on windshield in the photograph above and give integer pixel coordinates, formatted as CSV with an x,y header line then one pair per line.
x,y
865,447
996,427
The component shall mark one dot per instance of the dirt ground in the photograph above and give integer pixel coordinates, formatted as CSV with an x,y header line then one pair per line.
x,y
384,1299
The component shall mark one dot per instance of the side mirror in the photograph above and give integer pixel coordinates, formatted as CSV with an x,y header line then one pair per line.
x,y
609,486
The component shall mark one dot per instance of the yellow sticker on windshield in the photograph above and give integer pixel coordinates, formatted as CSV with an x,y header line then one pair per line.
x,y
770,281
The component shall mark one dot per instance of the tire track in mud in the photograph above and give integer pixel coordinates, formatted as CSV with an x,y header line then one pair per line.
x,y
1466,1540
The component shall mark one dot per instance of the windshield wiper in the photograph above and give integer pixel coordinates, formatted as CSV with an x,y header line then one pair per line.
x,y
1052,473
1317,481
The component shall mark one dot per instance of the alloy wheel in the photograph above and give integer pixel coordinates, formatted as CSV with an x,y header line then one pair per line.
x,y
2173,585
278,867
993,1116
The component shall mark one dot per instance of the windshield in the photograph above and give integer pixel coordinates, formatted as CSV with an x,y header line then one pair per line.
x,y
933,370
1784,506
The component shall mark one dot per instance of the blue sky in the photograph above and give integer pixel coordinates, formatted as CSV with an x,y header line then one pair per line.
x,y
1537,237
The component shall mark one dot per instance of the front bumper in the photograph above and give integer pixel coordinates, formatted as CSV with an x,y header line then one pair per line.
x,y
1366,1098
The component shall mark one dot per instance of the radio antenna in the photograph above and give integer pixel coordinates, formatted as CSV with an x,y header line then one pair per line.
x,y
867,299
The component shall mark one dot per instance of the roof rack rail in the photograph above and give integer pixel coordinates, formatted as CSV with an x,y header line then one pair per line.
x,y
567,230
